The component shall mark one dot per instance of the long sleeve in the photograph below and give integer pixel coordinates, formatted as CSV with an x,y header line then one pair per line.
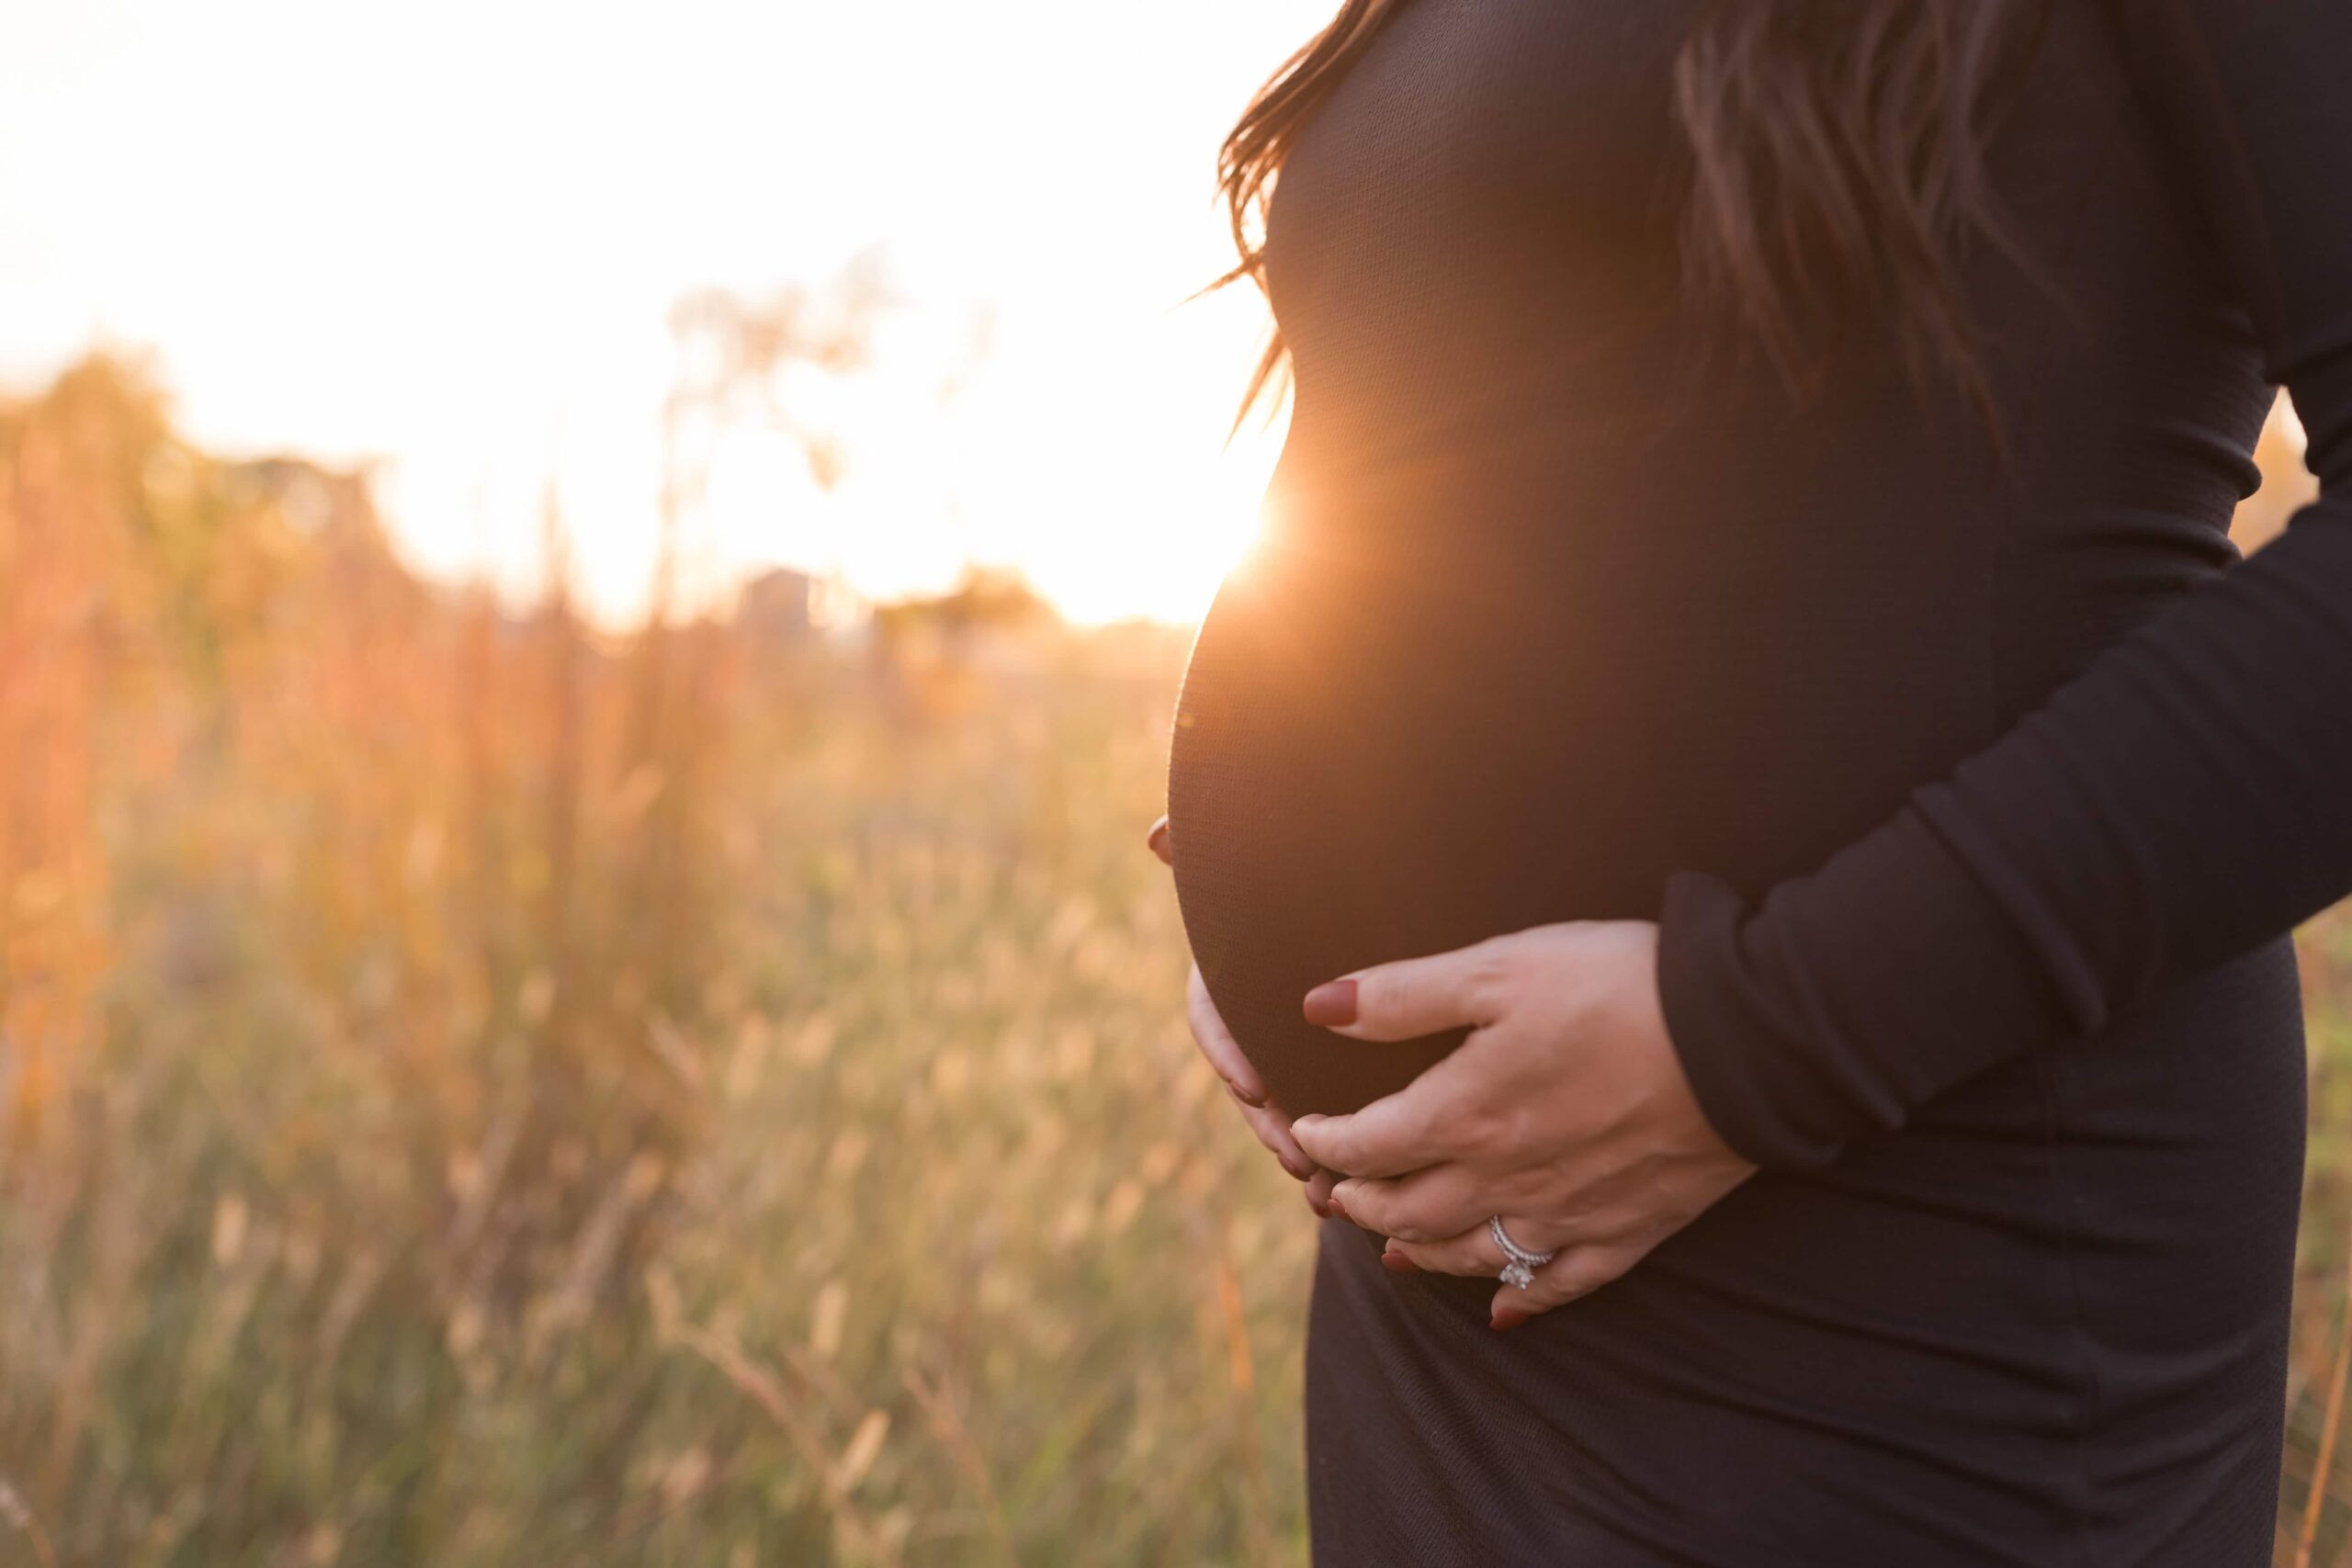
x,y
2186,797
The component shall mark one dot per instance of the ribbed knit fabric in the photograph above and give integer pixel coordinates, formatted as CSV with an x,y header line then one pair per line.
x,y
1974,798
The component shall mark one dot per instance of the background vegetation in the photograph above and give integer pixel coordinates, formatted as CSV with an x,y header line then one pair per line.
x,y
479,1092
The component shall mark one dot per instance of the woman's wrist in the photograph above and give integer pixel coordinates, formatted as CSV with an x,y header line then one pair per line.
x,y
1736,1057
1847,998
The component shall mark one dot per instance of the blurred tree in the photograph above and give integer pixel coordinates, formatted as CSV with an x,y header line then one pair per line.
x,y
736,354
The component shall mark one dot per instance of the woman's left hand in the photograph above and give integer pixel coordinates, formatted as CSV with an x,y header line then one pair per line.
x,y
1566,1112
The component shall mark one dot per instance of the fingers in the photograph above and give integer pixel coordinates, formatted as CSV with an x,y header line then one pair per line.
x,y
1422,1124
1318,1194
1267,1122
1576,1273
1469,1255
1271,1124
1427,1206
1472,1254
1216,1042
1413,997
1272,1129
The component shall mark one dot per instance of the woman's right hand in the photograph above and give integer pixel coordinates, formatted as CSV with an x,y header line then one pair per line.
x,y
1267,1120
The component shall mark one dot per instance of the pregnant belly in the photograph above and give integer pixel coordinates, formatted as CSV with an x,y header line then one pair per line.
x,y
1380,755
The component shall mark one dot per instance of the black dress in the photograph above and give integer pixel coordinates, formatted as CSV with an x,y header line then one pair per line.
x,y
1973,796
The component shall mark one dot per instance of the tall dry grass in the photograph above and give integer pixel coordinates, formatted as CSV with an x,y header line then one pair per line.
x,y
481,1093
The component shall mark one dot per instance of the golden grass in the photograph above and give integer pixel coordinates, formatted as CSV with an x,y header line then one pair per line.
x,y
484,1095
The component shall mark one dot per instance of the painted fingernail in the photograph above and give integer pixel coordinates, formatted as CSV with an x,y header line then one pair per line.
x,y
1331,1005
1254,1101
1507,1318
1397,1262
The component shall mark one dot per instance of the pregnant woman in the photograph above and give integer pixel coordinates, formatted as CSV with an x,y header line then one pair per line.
x,y
1744,759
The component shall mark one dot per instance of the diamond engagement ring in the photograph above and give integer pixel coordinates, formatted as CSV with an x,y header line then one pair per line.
x,y
1519,1264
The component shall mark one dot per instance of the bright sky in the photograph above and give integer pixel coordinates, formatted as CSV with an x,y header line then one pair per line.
x,y
448,235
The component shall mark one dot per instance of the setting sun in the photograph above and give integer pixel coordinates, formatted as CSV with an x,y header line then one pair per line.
x,y
457,264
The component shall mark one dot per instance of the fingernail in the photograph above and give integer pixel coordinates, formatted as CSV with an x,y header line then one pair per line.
x,y
1320,1211
1331,1005
1339,1208
1254,1101
1507,1318
1297,1174
1397,1262
1157,840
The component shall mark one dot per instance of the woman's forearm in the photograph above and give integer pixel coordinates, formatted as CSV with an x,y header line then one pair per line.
x,y
2187,797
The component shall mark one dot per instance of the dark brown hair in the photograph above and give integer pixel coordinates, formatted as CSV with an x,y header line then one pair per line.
x,y
1836,162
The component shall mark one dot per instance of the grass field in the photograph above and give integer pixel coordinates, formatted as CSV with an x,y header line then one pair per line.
x,y
479,1093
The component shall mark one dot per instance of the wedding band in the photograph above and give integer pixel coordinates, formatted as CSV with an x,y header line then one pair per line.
x,y
1519,1264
